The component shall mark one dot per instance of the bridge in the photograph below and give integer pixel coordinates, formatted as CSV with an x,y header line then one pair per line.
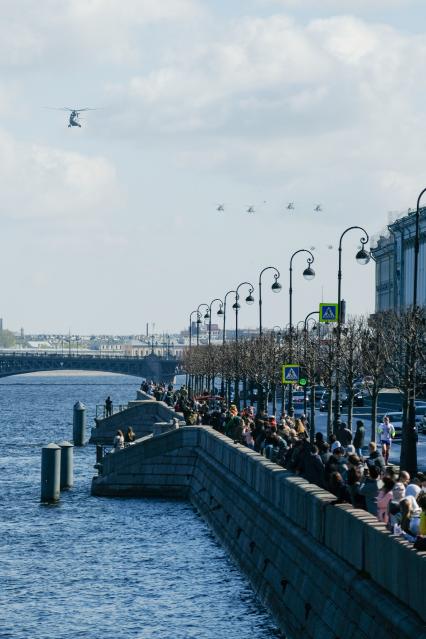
x,y
150,367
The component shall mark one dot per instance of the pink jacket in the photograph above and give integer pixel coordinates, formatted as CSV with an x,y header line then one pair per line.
x,y
383,500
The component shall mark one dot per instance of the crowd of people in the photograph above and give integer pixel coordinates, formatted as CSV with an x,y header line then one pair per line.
x,y
354,471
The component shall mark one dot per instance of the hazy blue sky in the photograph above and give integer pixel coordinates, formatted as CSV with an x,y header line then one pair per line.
x,y
255,102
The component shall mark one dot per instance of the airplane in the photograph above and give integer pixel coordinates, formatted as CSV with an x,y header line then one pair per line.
x,y
74,114
251,209
220,208
318,208
291,206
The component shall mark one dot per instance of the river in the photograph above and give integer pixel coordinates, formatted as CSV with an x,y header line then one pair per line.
x,y
90,566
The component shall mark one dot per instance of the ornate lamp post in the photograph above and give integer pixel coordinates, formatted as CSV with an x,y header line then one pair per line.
x,y
408,447
189,383
222,383
312,381
219,312
236,306
206,316
362,257
276,288
308,274
224,315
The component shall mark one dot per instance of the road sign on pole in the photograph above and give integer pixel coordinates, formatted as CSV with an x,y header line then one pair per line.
x,y
291,373
328,313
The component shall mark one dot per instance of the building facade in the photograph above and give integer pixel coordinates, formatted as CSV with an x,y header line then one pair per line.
x,y
394,257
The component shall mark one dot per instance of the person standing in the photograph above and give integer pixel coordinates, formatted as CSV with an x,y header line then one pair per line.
x,y
386,432
108,407
359,437
118,443
130,436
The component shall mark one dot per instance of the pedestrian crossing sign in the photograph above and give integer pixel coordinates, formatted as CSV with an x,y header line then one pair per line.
x,y
328,312
291,373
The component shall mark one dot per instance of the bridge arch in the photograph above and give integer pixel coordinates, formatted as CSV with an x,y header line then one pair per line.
x,y
151,367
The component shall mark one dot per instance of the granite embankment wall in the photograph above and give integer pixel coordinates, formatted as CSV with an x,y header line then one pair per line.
x,y
141,415
325,571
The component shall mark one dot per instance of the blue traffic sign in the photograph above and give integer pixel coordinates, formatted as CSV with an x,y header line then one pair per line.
x,y
328,312
291,373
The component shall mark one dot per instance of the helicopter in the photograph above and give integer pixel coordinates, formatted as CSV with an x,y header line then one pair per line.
x,y
291,206
318,208
74,114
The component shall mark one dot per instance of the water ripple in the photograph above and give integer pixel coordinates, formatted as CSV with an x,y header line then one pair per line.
x,y
90,567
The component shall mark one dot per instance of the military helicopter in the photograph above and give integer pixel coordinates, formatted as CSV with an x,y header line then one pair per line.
x,y
318,208
291,206
74,114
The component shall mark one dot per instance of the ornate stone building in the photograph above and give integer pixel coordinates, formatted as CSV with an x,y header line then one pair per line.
x,y
394,256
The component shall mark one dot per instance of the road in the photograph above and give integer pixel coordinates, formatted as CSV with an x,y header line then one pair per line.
x,y
388,402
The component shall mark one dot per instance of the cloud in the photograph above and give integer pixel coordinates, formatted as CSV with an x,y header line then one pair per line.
x,y
45,183
337,96
341,6
63,32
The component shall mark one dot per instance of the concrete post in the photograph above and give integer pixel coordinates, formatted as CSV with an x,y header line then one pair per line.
x,y
50,473
67,465
79,424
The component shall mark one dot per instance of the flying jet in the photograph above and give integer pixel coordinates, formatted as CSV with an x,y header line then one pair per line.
x,y
220,208
251,209
291,206
318,208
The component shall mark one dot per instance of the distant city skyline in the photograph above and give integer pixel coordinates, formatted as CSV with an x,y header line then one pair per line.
x,y
248,104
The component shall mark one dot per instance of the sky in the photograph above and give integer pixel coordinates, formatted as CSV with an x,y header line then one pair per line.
x,y
199,103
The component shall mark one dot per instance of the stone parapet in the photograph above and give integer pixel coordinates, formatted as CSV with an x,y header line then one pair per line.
x,y
141,415
324,570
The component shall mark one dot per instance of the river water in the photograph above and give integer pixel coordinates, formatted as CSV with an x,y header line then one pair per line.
x,y
95,567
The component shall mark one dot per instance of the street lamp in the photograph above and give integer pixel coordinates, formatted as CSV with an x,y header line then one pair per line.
x,y
236,306
312,381
224,315
408,447
276,288
206,316
219,312
189,382
362,257
308,274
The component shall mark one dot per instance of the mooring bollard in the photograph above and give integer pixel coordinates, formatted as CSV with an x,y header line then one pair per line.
x,y
79,424
99,453
67,465
50,473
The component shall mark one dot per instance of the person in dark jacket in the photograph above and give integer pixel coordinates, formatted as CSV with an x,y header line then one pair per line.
x,y
375,458
359,437
344,435
370,487
314,468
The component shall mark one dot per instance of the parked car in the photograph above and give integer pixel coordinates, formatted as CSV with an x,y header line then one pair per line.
x,y
319,390
359,398
323,406
298,399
